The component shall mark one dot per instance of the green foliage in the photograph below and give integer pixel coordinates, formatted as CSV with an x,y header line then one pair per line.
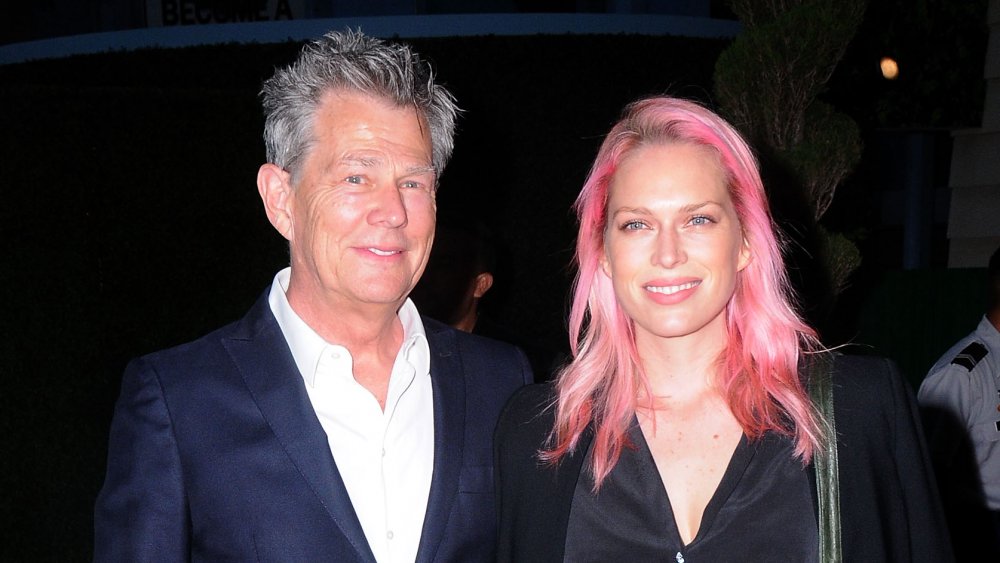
x,y
828,152
768,83
841,255
773,71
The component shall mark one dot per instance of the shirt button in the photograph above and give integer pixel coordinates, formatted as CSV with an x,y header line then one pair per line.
x,y
389,534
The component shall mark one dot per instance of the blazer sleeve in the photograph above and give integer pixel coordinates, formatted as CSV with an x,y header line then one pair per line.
x,y
141,513
533,500
890,507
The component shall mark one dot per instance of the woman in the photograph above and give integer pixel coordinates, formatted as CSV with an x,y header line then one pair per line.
x,y
683,428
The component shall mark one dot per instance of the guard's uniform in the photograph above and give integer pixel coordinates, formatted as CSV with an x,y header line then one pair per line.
x,y
965,382
960,402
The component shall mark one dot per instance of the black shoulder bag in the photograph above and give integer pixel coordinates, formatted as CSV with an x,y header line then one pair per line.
x,y
825,461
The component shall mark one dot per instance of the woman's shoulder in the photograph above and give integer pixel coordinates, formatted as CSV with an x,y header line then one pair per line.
x,y
871,397
528,413
867,377
532,397
887,489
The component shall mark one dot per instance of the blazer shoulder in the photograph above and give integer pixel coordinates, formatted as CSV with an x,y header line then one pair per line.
x,y
531,400
874,404
204,350
863,375
886,482
528,415
210,349
479,344
482,357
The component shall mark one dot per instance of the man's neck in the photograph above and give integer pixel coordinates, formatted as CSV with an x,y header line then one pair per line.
x,y
352,325
994,317
373,340
467,322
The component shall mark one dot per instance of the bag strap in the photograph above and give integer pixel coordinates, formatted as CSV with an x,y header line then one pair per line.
x,y
825,461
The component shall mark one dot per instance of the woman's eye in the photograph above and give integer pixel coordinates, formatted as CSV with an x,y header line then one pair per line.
x,y
632,225
701,220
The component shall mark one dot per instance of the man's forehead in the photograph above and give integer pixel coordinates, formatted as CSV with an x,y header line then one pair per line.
x,y
376,159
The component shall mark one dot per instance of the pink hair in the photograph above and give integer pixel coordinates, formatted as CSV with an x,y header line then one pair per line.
x,y
766,336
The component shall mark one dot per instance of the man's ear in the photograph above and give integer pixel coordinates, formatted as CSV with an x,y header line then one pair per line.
x,y
274,185
484,282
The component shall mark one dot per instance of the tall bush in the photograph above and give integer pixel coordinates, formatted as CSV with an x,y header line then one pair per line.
x,y
768,83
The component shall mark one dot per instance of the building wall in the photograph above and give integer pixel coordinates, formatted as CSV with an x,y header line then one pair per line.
x,y
29,20
974,214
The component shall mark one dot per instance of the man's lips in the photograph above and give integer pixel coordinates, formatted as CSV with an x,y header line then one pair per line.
x,y
383,252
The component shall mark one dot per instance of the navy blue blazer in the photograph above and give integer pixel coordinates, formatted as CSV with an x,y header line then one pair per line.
x,y
216,454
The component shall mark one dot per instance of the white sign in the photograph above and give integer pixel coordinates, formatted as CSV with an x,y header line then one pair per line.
x,y
164,13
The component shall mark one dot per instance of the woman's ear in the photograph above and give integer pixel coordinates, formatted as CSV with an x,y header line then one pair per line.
x,y
604,262
274,184
745,257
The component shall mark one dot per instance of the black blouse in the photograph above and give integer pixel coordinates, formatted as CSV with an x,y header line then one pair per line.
x,y
763,510
890,511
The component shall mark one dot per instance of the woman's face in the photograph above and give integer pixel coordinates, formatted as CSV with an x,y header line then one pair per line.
x,y
673,244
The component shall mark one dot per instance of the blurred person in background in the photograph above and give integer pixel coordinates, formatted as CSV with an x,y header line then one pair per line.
x,y
460,284
960,401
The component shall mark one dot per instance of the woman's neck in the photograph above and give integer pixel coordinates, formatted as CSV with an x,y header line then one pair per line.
x,y
680,368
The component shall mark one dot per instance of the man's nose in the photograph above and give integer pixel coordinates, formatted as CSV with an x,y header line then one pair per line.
x,y
389,208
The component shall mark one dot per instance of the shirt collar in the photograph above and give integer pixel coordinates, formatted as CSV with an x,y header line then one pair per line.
x,y
988,332
415,349
307,346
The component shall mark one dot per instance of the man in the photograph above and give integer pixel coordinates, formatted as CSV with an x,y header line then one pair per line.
x,y
960,400
331,423
460,271
458,275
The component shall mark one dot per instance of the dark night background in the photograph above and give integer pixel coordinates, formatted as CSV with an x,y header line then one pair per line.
x,y
130,219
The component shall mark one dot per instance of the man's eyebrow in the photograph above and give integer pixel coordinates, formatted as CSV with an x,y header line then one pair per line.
x,y
421,169
374,161
366,161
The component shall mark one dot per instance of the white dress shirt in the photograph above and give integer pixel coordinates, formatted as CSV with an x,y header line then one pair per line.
x,y
385,458
966,383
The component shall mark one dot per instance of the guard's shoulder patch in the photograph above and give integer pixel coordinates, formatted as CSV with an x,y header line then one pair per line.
x,y
970,355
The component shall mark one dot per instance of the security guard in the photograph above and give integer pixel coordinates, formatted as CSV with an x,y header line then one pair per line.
x,y
960,402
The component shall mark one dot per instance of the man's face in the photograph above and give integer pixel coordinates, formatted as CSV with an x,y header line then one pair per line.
x,y
362,209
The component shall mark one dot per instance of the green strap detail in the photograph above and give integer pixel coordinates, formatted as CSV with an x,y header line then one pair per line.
x,y
825,462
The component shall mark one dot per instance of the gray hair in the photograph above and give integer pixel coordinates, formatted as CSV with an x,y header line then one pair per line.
x,y
350,60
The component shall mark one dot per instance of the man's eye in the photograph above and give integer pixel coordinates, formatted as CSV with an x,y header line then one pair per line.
x,y
410,185
354,180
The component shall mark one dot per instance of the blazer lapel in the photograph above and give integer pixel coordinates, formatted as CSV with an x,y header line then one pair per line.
x,y
448,384
260,352
571,468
